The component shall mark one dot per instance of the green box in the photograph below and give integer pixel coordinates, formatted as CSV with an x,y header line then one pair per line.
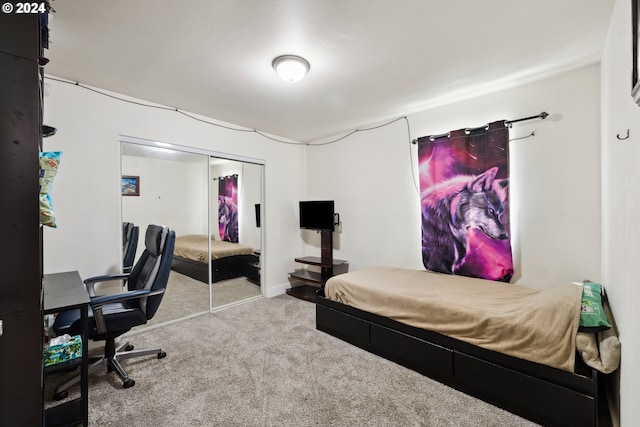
x,y
64,352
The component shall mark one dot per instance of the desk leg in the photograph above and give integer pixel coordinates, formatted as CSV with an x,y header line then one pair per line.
x,y
84,379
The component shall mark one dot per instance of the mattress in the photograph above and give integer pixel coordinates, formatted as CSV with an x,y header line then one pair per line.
x,y
535,325
196,248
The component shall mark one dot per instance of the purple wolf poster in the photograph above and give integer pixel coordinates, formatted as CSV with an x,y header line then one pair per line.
x,y
465,202
228,208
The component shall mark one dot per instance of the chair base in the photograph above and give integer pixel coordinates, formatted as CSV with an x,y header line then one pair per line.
x,y
111,360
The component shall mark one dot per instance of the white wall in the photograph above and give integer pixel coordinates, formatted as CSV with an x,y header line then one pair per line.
x,y
368,175
555,180
621,204
86,193
172,193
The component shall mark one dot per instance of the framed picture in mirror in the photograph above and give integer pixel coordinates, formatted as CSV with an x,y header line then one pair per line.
x,y
130,185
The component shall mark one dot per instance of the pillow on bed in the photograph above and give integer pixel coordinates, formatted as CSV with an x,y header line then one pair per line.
x,y
592,316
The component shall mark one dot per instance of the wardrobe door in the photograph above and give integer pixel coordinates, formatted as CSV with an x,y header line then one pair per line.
x,y
236,230
20,245
173,191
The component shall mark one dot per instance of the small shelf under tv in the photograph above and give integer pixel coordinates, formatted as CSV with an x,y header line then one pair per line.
x,y
304,292
307,276
314,280
317,261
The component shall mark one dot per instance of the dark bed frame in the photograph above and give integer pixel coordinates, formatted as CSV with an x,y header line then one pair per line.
x,y
546,395
221,269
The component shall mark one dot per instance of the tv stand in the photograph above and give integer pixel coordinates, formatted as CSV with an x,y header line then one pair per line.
x,y
314,280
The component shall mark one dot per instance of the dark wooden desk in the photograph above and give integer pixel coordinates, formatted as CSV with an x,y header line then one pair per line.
x,y
62,292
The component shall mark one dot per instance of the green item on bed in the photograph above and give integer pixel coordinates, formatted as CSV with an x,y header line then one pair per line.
x,y
592,316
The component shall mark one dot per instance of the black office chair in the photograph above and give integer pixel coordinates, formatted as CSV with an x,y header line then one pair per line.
x,y
113,315
129,245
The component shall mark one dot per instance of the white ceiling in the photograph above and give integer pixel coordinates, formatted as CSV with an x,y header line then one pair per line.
x,y
371,60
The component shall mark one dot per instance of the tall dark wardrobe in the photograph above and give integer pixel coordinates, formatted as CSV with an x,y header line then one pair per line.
x,y
21,328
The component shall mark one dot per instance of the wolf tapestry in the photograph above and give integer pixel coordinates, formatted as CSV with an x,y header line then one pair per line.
x,y
228,208
465,202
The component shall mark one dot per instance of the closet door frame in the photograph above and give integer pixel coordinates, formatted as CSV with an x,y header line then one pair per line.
x,y
221,155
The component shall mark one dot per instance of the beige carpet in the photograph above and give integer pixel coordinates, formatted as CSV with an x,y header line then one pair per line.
x,y
186,296
263,363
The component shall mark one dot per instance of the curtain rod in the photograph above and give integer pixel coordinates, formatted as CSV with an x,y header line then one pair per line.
x,y
508,123
226,176
540,116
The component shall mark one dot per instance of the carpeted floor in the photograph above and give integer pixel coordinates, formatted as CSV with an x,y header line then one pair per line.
x,y
263,363
186,296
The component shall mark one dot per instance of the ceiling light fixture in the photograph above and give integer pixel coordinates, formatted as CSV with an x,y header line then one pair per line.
x,y
291,68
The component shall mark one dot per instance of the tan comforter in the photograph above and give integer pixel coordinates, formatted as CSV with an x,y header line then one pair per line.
x,y
539,326
196,247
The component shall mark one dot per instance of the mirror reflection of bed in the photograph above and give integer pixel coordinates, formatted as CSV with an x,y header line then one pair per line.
x,y
229,260
178,189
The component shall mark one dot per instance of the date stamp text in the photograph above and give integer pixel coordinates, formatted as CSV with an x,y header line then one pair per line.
x,y
32,7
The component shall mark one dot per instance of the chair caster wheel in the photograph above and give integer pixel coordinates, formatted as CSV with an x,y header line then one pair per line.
x,y
128,348
162,355
61,395
128,383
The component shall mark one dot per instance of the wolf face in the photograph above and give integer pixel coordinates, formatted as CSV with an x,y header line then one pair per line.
x,y
479,206
227,220
453,208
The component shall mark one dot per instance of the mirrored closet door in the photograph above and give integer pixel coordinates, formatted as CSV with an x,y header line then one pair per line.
x,y
170,188
235,230
180,188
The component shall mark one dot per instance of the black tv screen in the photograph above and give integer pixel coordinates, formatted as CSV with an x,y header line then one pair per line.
x,y
317,214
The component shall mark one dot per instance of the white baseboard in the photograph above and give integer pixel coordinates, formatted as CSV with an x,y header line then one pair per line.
x,y
274,291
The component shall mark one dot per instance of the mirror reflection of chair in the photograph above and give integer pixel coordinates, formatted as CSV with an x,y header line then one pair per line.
x,y
129,245
112,315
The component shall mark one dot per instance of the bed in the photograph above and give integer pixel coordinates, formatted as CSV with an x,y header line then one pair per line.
x,y
518,352
229,260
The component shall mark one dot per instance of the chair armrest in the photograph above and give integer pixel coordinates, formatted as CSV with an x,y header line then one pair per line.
x,y
99,301
91,281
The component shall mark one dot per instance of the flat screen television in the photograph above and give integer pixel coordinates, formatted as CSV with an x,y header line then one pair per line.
x,y
317,215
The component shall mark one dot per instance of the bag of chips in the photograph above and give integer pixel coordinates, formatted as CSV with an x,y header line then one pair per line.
x,y
49,162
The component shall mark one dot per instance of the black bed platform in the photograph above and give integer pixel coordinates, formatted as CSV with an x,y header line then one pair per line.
x,y
221,269
540,393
